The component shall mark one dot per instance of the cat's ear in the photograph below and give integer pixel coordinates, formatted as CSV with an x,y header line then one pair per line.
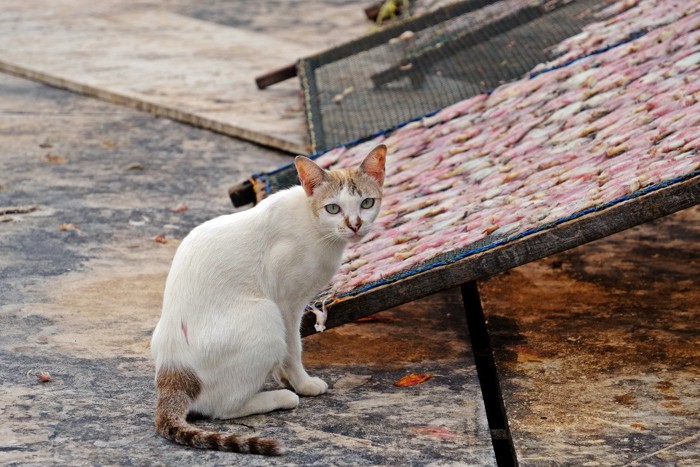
x,y
310,174
373,165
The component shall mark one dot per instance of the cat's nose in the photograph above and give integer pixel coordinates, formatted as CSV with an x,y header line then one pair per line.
x,y
354,226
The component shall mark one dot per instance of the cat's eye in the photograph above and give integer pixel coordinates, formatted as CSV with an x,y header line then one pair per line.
x,y
367,203
332,208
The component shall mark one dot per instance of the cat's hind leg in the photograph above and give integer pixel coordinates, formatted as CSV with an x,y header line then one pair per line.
x,y
267,401
240,355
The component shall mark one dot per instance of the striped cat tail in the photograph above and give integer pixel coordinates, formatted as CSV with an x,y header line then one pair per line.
x,y
177,390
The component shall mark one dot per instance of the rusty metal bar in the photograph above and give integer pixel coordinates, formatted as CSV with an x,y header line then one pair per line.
x,y
276,76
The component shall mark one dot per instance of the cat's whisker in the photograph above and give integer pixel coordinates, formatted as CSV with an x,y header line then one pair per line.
x,y
330,238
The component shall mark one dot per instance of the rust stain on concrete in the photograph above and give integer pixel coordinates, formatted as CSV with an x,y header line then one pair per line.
x,y
597,346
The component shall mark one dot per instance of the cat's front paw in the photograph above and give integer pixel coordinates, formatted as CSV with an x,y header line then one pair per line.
x,y
312,387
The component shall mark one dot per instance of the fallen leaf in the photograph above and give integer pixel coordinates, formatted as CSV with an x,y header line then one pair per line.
x,y
412,380
434,431
108,144
67,227
43,376
160,239
54,159
182,207
134,166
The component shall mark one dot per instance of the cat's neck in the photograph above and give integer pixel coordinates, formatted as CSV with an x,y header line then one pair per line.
x,y
301,259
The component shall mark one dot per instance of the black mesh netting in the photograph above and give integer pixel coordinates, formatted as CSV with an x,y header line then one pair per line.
x,y
426,63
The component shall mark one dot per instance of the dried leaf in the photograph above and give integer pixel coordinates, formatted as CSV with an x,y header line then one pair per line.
x,y
134,166
43,376
54,159
67,227
182,207
160,239
108,144
412,380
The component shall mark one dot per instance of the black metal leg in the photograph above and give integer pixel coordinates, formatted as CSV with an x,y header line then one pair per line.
x,y
488,377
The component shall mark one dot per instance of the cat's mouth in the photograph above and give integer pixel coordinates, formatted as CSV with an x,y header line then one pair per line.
x,y
355,237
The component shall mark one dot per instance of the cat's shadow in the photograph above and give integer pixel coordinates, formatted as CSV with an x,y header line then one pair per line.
x,y
196,417
193,417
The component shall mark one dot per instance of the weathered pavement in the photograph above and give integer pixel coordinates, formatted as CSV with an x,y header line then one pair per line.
x,y
593,346
596,348
82,279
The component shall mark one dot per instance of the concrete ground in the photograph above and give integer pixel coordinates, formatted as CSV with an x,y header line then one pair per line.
x,y
596,348
92,185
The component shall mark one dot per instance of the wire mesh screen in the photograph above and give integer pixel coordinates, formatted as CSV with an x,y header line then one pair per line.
x,y
424,64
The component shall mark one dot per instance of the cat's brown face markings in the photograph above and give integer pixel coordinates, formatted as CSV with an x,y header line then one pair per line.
x,y
351,181
344,201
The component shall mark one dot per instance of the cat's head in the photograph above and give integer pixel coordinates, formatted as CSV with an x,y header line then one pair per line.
x,y
345,201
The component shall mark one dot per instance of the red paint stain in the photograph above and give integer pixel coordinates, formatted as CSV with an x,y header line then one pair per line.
x,y
439,432
183,326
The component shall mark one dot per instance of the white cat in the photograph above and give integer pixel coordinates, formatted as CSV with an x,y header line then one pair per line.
x,y
235,296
